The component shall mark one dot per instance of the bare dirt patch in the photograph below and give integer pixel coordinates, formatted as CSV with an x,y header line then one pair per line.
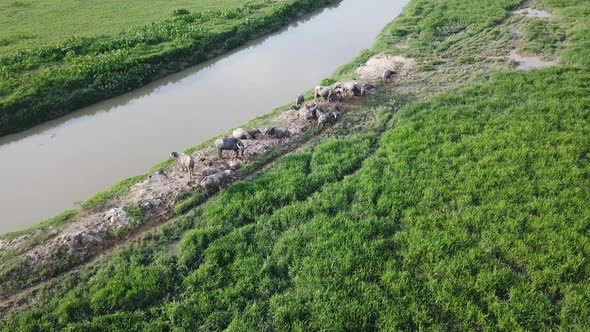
x,y
532,13
373,70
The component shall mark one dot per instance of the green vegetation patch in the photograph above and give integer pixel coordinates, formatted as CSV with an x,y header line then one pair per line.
x,y
575,16
433,22
45,23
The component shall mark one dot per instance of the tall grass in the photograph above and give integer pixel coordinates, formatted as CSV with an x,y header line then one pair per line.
x,y
27,24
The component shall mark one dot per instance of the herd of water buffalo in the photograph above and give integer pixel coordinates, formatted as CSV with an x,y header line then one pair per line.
x,y
322,109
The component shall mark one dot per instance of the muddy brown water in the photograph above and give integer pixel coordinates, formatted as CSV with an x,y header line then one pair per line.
x,y
49,168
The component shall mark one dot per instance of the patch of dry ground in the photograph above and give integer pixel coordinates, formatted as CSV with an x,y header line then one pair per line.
x,y
376,65
533,13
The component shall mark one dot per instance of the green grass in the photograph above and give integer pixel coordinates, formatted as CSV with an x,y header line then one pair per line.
x,y
463,211
32,23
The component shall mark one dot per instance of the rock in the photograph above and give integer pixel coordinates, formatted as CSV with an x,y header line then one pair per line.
x,y
150,204
234,165
214,182
209,171
117,217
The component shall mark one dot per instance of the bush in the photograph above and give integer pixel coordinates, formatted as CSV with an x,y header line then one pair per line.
x,y
195,242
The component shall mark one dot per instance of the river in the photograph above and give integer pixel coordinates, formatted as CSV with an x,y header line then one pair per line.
x,y
49,168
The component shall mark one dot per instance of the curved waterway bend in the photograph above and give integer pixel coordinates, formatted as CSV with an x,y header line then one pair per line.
x,y
47,169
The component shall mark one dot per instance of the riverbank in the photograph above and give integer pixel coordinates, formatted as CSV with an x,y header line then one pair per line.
x,y
42,84
453,199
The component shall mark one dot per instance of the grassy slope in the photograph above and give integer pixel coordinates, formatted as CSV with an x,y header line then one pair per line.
x,y
32,23
471,214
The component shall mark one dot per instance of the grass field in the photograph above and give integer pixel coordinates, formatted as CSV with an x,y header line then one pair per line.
x,y
464,211
33,23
